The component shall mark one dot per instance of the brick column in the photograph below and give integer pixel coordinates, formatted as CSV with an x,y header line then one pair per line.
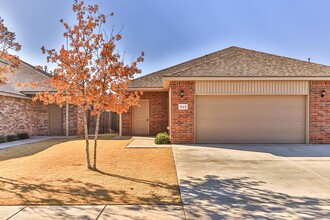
x,y
126,123
319,113
182,121
80,121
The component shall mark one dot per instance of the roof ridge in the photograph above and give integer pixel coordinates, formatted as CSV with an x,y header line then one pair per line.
x,y
35,68
236,62
188,61
198,64
280,56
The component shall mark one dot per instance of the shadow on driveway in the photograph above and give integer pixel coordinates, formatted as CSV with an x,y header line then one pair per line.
x,y
283,150
213,197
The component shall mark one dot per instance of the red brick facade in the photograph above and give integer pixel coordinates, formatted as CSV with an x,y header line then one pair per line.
x,y
76,123
319,117
182,121
158,114
126,123
22,115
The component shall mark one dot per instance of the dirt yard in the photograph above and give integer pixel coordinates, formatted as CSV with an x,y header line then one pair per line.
x,y
54,172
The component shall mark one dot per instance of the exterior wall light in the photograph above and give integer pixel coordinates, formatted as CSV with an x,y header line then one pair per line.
x,y
323,93
182,93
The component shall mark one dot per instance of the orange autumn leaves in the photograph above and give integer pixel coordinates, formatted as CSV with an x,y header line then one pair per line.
x,y
90,71
8,62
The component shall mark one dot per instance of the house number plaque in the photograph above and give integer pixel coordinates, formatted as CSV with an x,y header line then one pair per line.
x,y
183,106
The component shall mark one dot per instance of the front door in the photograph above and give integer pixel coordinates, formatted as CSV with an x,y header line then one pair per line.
x,y
140,117
55,120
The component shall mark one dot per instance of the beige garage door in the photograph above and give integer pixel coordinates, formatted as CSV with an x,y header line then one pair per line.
x,y
250,119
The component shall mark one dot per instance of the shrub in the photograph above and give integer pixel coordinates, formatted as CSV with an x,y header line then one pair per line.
x,y
3,139
23,135
162,138
11,138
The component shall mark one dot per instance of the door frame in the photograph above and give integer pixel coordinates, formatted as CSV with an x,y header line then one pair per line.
x,y
50,117
148,116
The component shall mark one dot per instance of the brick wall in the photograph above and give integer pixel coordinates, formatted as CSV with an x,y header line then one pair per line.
x,y
182,121
80,121
158,114
126,123
41,118
76,124
319,117
22,115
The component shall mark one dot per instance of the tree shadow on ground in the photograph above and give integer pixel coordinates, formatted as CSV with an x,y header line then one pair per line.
x,y
107,136
153,197
76,192
57,192
122,137
143,212
283,150
25,150
60,212
213,197
36,147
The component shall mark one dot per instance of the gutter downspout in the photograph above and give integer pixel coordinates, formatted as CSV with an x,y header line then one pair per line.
x,y
66,104
120,123
67,119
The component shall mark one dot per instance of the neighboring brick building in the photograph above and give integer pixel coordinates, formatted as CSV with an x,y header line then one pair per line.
x,y
234,96
19,114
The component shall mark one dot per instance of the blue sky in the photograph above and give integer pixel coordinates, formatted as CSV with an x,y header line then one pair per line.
x,y
172,31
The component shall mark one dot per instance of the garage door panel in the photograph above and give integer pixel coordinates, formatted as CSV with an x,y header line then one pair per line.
x,y
227,138
250,119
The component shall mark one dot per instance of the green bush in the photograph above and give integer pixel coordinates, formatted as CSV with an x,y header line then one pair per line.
x,y
3,139
23,135
11,138
162,138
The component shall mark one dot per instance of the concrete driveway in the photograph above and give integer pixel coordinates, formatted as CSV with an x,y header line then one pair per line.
x,y
254,181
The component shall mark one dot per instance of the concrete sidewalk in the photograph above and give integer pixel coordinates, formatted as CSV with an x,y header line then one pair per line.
x,y
92,212
32,139
145,142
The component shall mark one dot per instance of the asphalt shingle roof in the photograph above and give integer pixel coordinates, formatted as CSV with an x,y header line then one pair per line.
x,y
25,74
235,62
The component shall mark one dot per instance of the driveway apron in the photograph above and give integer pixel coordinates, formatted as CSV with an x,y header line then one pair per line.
x,y
254,181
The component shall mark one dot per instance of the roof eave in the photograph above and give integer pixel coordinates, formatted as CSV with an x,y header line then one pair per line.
x,y
148,89
14,95
167,79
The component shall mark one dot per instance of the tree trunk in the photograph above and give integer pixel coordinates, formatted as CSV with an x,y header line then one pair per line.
x,y
95,137
86,138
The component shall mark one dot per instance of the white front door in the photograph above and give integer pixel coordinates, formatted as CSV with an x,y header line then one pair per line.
x,y
140,118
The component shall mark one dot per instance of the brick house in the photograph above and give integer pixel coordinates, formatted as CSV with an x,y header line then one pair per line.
x,y
19,114
234,95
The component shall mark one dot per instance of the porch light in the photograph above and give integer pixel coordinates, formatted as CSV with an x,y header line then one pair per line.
x,y
323,93
182,93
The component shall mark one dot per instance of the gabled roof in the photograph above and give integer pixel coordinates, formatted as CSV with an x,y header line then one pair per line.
x,y
235,62
25,74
